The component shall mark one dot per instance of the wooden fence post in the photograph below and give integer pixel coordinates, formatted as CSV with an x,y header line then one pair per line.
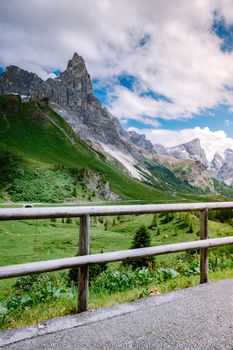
x,y
204,251
83,276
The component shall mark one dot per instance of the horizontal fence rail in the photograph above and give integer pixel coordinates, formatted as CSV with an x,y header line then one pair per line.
x,y
60,264
64,212
84,259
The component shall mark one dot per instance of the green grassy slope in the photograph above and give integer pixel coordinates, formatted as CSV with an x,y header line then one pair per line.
x,y
166,179
34,240
40,153
46,239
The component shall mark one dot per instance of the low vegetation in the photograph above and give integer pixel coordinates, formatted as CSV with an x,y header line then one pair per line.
x,y
36,298
41,159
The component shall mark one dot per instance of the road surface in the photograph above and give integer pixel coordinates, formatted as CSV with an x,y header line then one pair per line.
x,y
195,318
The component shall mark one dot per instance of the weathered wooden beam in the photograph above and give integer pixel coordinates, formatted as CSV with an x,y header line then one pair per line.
x,y
63,212
204,251
60,264
83,275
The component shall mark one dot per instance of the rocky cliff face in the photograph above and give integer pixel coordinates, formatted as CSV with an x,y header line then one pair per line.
x,y
190,150
18,81
140,140
71,96
216,164
94,182
224,167
192,171
160,149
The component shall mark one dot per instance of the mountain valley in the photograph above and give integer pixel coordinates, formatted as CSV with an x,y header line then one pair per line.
x,y
60,126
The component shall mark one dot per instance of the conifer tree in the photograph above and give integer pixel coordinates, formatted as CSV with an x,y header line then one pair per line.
x,y
190,230
154,222
141,239
106,225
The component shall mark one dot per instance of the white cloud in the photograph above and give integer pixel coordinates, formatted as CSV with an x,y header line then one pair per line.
x,y
228,122
211,141
181,60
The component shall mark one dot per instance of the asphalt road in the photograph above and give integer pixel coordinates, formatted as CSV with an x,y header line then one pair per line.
x,y
195,318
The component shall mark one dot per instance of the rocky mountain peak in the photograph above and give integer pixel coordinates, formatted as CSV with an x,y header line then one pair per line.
x,y
196,152
76,59
193,147
18,81
225,171
216,164
218,159
76,75
160,149
195,143
141,141
189,150
70,95
228,155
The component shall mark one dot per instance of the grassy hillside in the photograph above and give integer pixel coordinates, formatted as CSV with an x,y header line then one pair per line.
x,y
42,159
34,240
166,179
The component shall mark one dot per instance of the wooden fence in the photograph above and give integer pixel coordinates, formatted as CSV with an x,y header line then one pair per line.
x,y
84,259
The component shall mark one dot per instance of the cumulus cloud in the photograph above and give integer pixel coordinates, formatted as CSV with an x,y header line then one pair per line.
x,y
168,46
211,141
228,122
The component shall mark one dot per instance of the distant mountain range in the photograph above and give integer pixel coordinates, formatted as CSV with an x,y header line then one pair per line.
x,y
220,167
70,96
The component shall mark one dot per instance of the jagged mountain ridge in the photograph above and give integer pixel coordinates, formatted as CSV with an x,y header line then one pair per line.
x,y
42,159
141,141
70,95
190,150
216,164
72,90
222,167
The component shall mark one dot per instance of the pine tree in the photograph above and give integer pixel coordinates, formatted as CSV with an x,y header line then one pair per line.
x,y
167,217
190,230
141,239
154,222
106,225
187,219
74,194
69,221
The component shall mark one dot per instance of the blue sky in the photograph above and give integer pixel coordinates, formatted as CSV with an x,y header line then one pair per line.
x,y
218,118
164,68
225,32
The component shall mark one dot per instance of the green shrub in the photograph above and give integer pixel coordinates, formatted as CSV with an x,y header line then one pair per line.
x,y
141,239
27,292
123,279
94,272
